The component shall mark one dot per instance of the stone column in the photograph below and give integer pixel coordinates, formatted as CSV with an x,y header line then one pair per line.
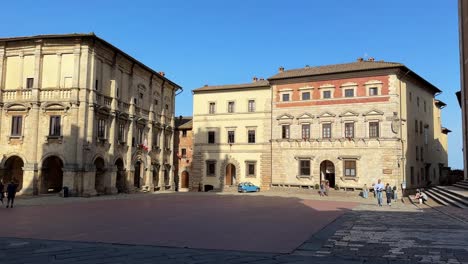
x,y
129,165
34,123
89,176
59,69
29,179
21,71
111,179
69,177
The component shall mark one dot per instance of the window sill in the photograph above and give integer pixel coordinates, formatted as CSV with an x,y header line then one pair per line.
x,y
303,177
54,139
14,140
122,142
250,176
349,178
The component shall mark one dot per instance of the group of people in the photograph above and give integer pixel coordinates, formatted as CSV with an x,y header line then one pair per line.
x,y
10,191
379,189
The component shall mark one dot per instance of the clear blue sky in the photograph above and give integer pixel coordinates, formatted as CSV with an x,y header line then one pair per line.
x,y
221,42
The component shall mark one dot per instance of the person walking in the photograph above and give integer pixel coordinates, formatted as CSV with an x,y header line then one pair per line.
x,y
378,189
2,193
322,189
365,191
395,195
11,193
327,187
389,194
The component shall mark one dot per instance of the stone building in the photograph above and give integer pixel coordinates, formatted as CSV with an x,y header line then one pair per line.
x,y
78,112
231,125
349,124
183,147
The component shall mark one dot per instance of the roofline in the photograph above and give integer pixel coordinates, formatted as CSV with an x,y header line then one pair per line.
x,y
93,36
198,90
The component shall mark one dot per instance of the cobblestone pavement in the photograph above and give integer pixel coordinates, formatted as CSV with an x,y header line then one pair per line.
x,y
402,233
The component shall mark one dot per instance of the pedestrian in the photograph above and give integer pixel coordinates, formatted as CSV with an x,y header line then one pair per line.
x,y
365,191
322,189
373,189
395,195
327,187
378,189
11,193
2,193
389,194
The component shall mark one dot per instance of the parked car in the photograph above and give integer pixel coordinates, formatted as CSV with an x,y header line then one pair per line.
x,y
247,187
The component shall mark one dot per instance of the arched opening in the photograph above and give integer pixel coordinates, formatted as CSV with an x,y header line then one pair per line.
x,y
14,171
120,179
230,177
184,181
156,177
327,172
51,175
99,181
137,175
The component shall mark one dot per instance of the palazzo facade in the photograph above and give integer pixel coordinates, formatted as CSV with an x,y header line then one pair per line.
x,y
77,112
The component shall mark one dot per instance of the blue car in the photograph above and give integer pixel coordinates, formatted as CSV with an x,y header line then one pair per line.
x,y
247,187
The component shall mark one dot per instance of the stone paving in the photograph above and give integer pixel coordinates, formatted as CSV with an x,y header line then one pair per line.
x,y
402,233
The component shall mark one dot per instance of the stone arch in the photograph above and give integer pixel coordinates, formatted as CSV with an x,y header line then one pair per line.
x,y
99,175
184,179
13,171
11,154
121,158
328,171
226,162
138,165
120,182
51,177
50,154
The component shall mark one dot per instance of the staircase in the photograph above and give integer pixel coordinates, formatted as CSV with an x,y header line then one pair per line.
x,y
462,184
450,195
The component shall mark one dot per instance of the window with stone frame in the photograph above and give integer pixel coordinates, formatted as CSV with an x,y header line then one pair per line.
x,y
326,94
304,167
55,126
305,131
326,130
121,132
29,82
231,137
251,136
231,107
101,128
250,169
210,168
212,108
184,133
305,96
349,130
416,126
285,97
285,131
156,140
417,153
422,154
16,126
349,92
373,91
167,141
373,129
183,152
211,137
251,106
425,106
350,168
420,127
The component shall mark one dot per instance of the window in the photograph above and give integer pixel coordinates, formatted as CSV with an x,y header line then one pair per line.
x,y
426,135
326,94
231,138
156,140
304,167
373,129
349,93
54,129
140,136
184,153
156,102
96,85
285,97
167,107
425,106
250,166
212,108
210,168
349,130
422,154
251,136
285,131
167,141
141,96
373,91
121,134
306,96
251,105
230,107
416,126
306,131
16,126
417,153
184,133
102,129
29,82
326,130
412,175
420,127
350,168
211,137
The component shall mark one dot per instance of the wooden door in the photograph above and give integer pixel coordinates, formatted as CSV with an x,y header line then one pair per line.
x,y
185,180
229,172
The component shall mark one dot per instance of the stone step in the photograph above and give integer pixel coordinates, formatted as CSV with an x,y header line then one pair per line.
x,y
445,199
458,192
463,186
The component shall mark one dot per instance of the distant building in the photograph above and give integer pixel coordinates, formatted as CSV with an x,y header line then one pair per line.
x,y
78,112
183,147
349,124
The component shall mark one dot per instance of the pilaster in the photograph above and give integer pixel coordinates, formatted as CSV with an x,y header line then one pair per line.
x,y
21,71
59,69
29,179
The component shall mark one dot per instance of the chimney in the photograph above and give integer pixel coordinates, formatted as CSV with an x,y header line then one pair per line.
x,y
371,59
360,59
162,73
254,79
180,118
206,85
281,69
307,66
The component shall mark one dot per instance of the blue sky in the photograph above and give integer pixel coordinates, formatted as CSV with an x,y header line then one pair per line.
x,y
221,42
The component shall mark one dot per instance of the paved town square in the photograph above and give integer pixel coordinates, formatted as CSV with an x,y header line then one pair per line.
x,y
245,229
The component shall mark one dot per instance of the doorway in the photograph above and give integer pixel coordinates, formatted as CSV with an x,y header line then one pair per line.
x,y
327,172
230,178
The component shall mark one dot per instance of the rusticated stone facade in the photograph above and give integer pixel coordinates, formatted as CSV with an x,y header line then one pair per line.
x,y
77,112
183,146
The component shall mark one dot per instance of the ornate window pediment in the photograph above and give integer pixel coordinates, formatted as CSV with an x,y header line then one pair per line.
x,y
55,107
373,112
305,116
17,107
349,113
326,114
285,117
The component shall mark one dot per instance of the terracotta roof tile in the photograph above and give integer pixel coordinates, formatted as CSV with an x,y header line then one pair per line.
x,y
260,83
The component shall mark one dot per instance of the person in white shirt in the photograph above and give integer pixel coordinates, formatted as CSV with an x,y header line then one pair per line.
x,y
378,189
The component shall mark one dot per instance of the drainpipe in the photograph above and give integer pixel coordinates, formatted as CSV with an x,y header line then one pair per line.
x,y
403,158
